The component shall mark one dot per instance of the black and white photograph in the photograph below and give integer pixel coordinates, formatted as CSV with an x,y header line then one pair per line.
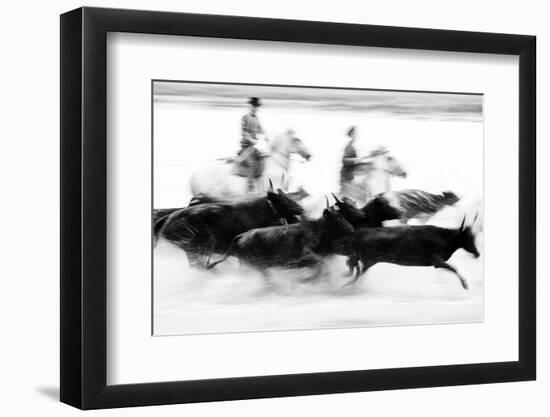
x,y
243,208
282,207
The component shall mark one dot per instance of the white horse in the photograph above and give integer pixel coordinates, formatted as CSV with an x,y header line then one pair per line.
x,y
219,180
373,177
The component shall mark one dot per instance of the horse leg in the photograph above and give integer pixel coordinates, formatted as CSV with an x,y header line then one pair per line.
x,y
441,264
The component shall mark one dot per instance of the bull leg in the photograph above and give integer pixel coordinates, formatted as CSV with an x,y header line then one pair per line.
x,y
269,285
309,260
352,262
206,259
360,271
316,274
444,265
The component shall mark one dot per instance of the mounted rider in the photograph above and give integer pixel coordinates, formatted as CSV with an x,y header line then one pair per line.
x,y
354,166
350,164
250,162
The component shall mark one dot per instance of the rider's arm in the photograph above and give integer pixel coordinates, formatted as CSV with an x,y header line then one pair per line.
x,y
350,157
349,161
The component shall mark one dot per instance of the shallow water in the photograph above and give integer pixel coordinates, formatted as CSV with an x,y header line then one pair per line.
x,y
234,298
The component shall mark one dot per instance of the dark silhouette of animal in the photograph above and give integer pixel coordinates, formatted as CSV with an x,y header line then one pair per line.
x,y
412,246
203,229
292,246
375,212
195,200
198,199
297,196
419,204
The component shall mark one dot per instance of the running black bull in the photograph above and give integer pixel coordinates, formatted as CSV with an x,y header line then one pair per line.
x,y
412,246
299,245
203,229
373,214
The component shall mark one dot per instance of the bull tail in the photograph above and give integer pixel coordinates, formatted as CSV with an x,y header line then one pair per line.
x,y
158,227
162,223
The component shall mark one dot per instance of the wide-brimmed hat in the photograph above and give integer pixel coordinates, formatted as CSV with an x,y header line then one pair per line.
x,y
254,101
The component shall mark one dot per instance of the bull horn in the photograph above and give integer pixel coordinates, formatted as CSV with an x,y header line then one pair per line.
x,y
270,185
462,224
328,204
336,198
475,217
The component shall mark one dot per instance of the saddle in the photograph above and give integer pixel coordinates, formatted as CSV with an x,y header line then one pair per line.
x,y
248,163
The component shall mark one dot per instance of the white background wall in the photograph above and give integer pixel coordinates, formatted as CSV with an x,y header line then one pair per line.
x,y
29,173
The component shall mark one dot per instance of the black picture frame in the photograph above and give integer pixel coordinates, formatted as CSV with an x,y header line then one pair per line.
x,y
84,207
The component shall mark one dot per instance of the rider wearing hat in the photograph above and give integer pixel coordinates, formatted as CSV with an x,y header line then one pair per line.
x,y
350,161
350,165
250,158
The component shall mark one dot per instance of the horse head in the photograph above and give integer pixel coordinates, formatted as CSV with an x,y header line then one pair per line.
x,y
290,144
384,161
393,167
